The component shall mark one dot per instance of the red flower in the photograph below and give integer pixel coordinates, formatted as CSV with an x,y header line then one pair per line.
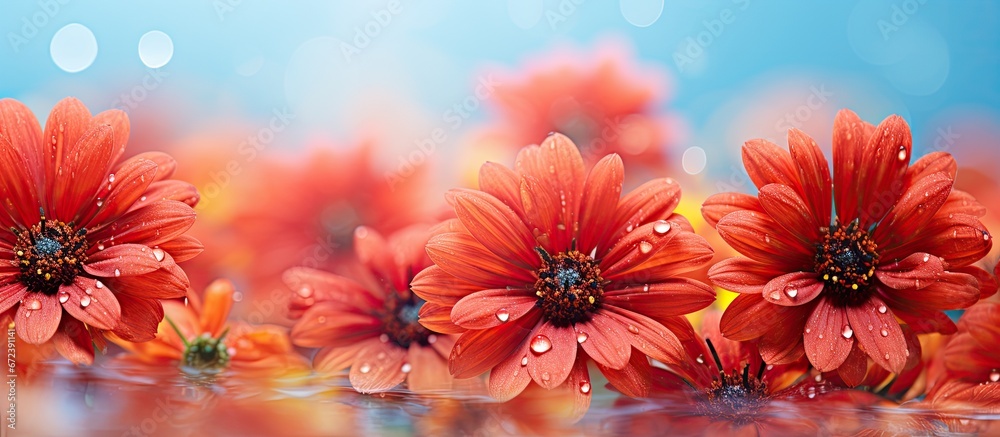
x,y
369,321
197,336
603,100
899,248
88,243
546,267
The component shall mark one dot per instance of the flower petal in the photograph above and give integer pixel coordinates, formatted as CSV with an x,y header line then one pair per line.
x,y
140,318
179,191
65,126
600,343
579,383
719,205
182,248
334,359
766,163
855,367
11,294
478,351
749,316
550,369
931,163
913,272
948,291
647,335
509,378
465,258
131,181
73,342
558,166
38,318
310,285
437,318
793,289
882,168
122,260
496,226
378,367
327,325
651,201
489,308
85,167
673,297
884,342
90,304
742,275
218,302
915,208
119,123
600,198
542,214
428,370
433,284
760,238
151,225
825,341
814,173
960,239
502,183
684,253
165,164
849,138
635,248
634,379
785,206
20,201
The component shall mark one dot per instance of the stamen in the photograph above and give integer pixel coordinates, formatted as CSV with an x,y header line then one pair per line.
x,y
569,287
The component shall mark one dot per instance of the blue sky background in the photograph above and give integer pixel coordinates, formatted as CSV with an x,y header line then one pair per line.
x,y
936,63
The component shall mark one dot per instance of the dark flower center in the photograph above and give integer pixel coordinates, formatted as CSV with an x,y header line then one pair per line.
x,y
206,353
569,287
736,397
399,320
49,255
846,261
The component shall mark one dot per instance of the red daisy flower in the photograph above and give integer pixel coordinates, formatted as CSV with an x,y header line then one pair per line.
x,y
546,267
369,321
89,244
898,250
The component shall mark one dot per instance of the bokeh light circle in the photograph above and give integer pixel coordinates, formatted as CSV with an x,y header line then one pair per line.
x,y
641,13
694,160
155,49
73,48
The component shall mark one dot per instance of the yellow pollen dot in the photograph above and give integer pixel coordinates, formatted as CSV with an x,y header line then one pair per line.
x,y
48,276
38,272
538,293
834,279
854,286
591,299
826,277
20,253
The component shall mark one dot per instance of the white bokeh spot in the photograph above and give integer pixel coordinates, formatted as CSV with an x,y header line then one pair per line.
x,y
694,160
641,13
155,49
73,48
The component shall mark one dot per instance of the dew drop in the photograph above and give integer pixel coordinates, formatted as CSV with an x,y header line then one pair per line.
x,y
808,330
645,247
887,357
406,368
819,378
584,387
581,337
645,288
158,254
871,327
365,368
927,257
774,295
100,246
994,376
882,309
305,291
118,273
820,336
321,320
34,304
98,284
111,177
700,359
884,332
503,315
546,376
142,199
661,227
85,301
633,329
524,361
63,297
848,332
629,228
540,345
767,238
792,292
100,203
902,154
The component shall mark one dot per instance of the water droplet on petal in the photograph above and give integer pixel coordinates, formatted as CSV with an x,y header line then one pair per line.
x,y
902,153
819,378
546,376
808,330
380,356
305,291
994,376
406,368
848,332
887,357
503,315
321,320
34,304
774,295
767,238
365,368
820,336
111,177
540,344
63,297
118,273
882,309
700,359
584,387
158,254
645,288
645,247
884,332
100,246
792,292
661,227
84,301
927,257
633,329
100,203
524,361
581,337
